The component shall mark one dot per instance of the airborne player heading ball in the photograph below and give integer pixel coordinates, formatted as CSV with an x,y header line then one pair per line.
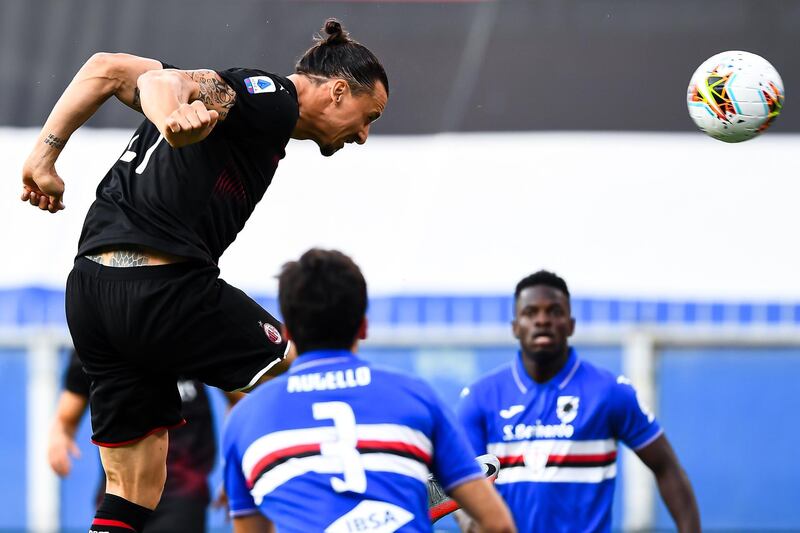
x,y
144,300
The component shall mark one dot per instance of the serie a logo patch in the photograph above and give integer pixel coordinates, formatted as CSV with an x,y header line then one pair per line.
x,y
259,84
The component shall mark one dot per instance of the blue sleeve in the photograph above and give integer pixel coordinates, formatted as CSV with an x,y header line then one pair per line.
x,y
471,418
453,459
240,502
631,422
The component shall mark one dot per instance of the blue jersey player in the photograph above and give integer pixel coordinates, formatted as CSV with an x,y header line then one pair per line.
x,y
554,421
336,444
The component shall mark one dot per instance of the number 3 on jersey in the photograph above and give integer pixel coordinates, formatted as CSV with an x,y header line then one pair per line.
x,y
344,447
130,155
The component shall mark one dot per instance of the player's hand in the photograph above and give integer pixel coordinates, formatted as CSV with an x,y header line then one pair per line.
x,y
41,185
188,124
59,450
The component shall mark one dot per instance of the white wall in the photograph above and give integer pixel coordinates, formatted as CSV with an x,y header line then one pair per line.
x,y
677,215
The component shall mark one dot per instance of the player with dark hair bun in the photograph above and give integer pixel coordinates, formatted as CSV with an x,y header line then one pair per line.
x,y
144,300
338,56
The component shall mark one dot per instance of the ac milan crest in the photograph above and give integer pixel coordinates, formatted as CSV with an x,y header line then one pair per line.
x,y
272,333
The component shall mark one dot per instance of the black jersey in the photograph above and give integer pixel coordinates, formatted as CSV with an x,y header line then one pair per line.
x,y
192,447
193,201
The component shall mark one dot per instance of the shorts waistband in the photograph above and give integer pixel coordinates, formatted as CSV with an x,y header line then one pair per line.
x,y
82,264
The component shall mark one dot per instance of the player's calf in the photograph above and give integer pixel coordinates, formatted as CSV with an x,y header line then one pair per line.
x,y
135,476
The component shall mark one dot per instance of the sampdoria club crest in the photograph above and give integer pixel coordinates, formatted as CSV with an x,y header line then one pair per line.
x,y
567,408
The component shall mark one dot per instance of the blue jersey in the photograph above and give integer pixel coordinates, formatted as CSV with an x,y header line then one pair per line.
x,y
556,441
340,446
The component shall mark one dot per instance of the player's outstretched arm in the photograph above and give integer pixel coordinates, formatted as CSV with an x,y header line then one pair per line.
x,y
482,502
61,443
673,484
102,76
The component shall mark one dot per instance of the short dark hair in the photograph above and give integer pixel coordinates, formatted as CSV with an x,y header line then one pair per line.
x,y
323,299
542,277
339,56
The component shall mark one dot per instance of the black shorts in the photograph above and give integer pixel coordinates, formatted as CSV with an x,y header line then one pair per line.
x,y
136,329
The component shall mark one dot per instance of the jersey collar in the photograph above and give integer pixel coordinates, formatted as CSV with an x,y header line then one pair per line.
x,y
321,357
525,383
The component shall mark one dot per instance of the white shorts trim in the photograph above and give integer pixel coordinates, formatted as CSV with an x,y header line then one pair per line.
x,y
264,370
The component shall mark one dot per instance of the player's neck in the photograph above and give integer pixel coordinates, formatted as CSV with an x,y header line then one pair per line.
x,y
542,367
307,105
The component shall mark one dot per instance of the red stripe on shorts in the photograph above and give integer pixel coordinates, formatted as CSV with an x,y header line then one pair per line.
x,y
115,523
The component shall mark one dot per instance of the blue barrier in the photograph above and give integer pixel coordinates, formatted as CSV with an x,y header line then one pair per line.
x,y
39,306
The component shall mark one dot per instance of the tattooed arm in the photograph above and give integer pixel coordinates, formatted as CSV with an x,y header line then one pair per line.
x,y
213,91
185,105
102,76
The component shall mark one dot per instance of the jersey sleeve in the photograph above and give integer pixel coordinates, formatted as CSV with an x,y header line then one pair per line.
x,y
75,379
240,502
263,108
453,459
470,415
632,422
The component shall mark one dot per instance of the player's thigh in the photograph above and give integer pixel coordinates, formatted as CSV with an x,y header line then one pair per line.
x,y
129,403
234,341
116,318
175,513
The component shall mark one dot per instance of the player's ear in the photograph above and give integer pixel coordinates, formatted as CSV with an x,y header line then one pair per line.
x,y
571,326
338,89
362,329
515,328
285,333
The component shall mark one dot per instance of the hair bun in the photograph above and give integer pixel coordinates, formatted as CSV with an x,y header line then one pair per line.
x,y
336,34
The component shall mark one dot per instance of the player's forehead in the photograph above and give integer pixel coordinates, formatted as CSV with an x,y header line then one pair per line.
x,y
377,98
541,295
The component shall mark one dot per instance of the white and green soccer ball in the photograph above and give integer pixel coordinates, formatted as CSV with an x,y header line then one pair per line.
x,y
734,96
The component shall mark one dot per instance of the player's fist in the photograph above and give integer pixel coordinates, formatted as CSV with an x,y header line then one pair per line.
x,y
41,185
188,124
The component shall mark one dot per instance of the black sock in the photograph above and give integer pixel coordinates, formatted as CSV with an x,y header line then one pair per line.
x,y
118,515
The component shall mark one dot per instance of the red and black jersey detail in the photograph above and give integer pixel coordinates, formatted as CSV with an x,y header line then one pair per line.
x,y
279,457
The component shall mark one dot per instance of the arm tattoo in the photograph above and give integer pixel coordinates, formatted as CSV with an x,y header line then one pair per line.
x,y
56,142
214,93
137,100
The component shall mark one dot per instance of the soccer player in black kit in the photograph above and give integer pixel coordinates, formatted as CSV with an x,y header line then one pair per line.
x,y
144,301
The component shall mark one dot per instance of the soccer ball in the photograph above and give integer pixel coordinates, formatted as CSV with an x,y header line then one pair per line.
x,y
734,96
